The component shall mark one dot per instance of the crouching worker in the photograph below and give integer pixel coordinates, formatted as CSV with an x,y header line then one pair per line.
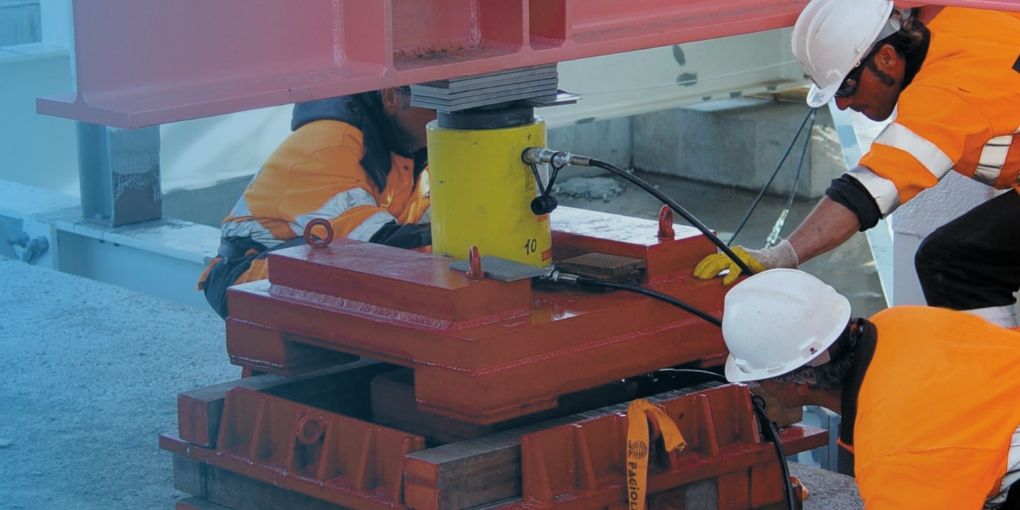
x,y
929,397
357,161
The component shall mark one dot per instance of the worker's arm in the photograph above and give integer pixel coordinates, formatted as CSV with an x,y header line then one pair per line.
x,y
846,208
829,225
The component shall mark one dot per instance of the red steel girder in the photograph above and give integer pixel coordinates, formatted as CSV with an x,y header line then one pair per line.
x,y
144,62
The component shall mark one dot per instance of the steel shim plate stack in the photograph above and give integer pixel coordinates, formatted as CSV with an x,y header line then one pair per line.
x,y
539,82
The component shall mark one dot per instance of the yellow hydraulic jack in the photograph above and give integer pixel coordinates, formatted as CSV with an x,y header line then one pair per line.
x,y
481,190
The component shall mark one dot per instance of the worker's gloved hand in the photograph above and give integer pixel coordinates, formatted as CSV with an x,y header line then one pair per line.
x,y
780,255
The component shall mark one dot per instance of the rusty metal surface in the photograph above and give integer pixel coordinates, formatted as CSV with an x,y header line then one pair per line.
x,y
583,465
577,231
394,405
483,351
572,462
325,455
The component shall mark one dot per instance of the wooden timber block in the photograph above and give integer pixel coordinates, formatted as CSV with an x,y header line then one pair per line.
x,y
480,471
341,388
198,504
233,491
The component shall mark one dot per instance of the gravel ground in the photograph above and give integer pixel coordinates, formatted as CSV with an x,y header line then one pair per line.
x,y
92,376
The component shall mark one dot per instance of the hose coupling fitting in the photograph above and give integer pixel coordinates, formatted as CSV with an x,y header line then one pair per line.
x,y
557,276
543,155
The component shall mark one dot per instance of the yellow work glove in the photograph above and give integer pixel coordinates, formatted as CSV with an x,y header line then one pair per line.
x,y
780,255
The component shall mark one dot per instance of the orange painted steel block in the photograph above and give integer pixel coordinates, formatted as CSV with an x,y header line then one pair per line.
x,y
325,455
583,465
483,351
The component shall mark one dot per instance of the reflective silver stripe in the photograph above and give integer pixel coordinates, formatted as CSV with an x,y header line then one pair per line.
x,y
334,207
933,159
251,229
993,157
240,208
1012,475
370,226
881,189
426,216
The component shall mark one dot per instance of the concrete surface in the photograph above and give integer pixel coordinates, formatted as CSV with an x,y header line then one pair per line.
x,y
92,376
739,146
827,490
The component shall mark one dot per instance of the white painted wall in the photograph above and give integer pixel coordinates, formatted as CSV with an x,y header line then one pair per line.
x,y
35,150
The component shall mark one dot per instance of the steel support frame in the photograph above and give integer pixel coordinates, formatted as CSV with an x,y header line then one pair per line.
x,y
119,174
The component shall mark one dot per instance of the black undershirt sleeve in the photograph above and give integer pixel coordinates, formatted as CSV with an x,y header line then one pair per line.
x,y
854,196
403,236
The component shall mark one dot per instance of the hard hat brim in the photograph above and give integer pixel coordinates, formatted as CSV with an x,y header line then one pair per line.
x,y
734,374
818,97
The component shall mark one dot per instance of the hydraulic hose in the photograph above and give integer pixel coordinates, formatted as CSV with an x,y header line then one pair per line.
x,y
591,282
676,208
559,160
767,425
772,433
536,155
777,227
757,199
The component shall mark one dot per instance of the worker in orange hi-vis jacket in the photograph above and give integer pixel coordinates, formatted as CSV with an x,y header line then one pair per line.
x,y
953,90
929,397
358,162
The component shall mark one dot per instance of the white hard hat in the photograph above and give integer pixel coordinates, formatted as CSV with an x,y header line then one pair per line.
x,y
831,37
779,320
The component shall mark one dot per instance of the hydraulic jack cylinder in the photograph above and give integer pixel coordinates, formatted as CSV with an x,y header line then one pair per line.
x,y
481,191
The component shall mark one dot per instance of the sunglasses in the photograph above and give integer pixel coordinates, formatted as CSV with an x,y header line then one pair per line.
x,y
853,78
851,82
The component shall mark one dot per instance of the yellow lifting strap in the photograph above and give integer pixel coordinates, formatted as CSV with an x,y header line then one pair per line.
x,y
638,414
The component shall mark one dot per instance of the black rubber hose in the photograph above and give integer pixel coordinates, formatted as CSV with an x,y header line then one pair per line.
x,y
772,433
591,282
757,199
768,428
677,208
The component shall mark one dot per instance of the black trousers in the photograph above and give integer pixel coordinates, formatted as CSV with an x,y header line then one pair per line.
x,y
974,260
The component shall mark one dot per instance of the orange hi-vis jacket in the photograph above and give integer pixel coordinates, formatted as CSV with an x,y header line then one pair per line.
x,y
936,410
961,112
317,173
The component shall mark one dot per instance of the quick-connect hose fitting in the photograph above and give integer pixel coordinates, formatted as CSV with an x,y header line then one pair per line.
x,y
542,155
557,276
